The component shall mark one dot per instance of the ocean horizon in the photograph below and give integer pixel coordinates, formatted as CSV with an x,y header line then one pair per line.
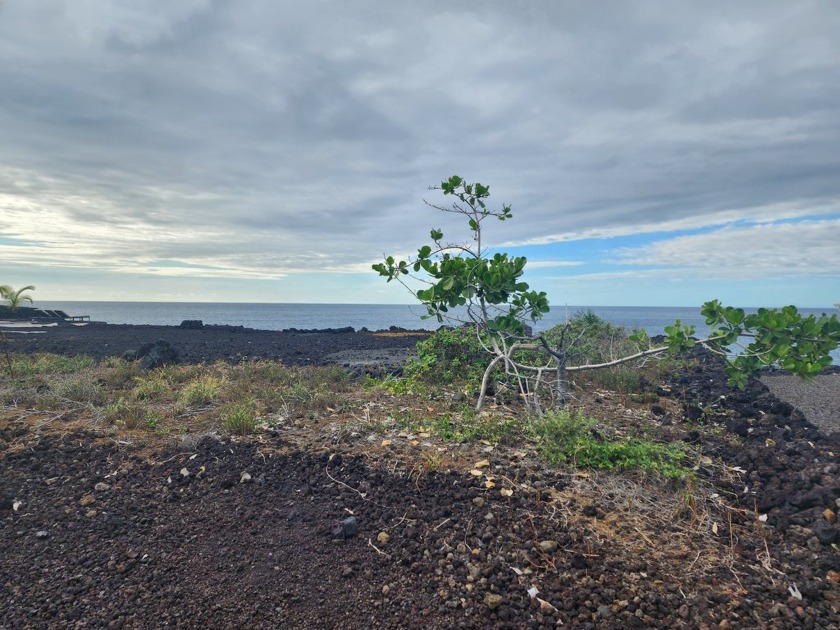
x,y
275,316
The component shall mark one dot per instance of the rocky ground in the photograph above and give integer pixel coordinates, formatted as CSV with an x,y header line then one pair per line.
x,y
301,528
221,343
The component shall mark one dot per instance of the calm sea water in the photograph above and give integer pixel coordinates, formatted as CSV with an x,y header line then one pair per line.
x,y
372,316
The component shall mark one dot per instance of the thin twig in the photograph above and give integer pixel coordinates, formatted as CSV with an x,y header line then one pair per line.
x,y
341,483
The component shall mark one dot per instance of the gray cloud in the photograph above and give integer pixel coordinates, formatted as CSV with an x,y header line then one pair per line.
x,y
293,135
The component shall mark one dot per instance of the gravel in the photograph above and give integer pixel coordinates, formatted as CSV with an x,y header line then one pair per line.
x,y
818,400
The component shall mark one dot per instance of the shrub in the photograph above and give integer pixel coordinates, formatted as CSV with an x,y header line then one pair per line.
x,y
591,339
450,355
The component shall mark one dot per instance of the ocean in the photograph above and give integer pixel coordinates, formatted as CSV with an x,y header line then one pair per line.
x,y
371,316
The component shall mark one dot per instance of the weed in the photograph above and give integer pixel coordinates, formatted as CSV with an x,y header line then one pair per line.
x,y
468,426
432,461
27,366
403,386
82,389
125,413
178,374
239,419
566,436
150,387
153,419
200,391
121,373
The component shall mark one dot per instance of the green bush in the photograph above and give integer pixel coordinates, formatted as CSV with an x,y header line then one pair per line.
x,y
591,339
450,356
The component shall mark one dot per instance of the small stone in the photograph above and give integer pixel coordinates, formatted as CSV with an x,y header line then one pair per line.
x,y
185,472
604,611
489,516
383,537
346,528
86,500
90,513
829,515
101,487
386,589
346,571
41,533
492,600
478,502
548,546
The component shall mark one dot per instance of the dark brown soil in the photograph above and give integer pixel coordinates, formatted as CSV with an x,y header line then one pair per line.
x,y
99,533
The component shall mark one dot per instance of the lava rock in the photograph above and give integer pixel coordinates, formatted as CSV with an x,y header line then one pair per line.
x,y
824,531
152,355
346,528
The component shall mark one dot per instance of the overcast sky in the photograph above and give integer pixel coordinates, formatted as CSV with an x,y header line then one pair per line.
x,y
653,153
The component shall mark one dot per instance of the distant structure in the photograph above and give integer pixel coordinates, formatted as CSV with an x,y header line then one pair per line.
x,y
40,315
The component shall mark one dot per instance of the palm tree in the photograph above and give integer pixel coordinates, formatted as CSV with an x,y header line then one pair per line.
x,y
15,298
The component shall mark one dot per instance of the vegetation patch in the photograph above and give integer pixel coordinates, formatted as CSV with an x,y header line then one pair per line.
x,y
239,419
567,436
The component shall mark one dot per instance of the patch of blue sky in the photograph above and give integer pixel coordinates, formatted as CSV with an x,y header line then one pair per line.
x,y
589,255
15,242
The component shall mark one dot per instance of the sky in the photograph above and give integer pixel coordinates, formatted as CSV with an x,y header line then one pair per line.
x,y
653,153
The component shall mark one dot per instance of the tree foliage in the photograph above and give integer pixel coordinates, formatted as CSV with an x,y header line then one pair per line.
x,y
776,337
15,298
489,288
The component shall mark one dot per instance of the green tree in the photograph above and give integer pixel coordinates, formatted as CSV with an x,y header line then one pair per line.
x,y
15,298
497,302
456,275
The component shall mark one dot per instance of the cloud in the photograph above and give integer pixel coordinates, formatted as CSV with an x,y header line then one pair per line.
x,y
259,140
791,249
